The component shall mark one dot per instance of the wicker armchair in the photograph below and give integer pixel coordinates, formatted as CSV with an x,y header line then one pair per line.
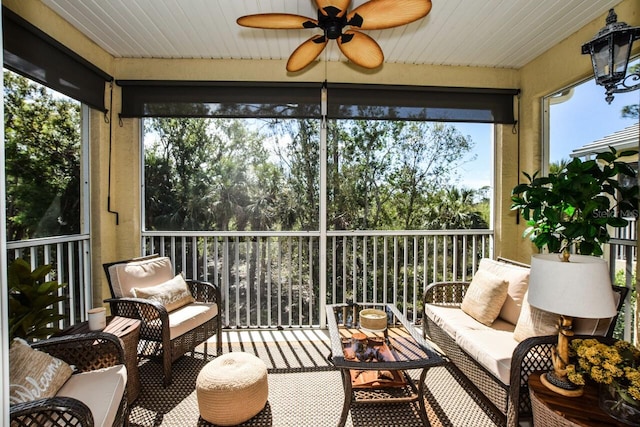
x,y
87,352
161,337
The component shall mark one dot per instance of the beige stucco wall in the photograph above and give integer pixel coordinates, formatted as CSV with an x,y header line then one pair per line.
x,y
562,65
559,67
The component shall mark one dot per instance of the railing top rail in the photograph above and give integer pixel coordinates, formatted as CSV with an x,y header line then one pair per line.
x,y
623,242
484,231
230,233
43,241
316,233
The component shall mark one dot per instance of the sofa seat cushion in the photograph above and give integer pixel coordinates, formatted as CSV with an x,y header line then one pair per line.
x,y
451,319
101,390
492,348
187,318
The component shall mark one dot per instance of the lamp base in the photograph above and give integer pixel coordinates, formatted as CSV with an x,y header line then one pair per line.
x,y
561,385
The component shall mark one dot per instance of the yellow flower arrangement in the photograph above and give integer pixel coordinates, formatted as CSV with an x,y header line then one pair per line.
x,y
617,365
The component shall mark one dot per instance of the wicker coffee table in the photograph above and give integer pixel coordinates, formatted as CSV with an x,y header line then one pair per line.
x,y
373,368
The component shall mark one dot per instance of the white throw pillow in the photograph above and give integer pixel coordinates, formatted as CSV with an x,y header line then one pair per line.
x,y
485,296
534,322
518,278
172,294
34,374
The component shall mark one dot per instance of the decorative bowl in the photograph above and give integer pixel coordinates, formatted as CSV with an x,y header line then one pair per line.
x,y
373,320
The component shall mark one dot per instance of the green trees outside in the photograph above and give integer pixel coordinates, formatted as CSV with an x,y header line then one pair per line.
x,y
263,175
247,175
42,142
228,174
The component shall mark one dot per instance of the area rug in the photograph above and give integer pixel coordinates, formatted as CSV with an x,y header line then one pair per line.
x,y
304,391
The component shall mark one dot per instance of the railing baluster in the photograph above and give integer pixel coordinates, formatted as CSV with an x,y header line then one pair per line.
x,y
268,282
375,270
415,278
385,282
300,281
405,274
310,280
364,270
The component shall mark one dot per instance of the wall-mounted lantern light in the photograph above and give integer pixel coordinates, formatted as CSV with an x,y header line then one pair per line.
x,y
610,50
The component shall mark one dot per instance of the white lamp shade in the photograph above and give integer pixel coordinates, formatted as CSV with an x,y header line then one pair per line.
x,y
578,288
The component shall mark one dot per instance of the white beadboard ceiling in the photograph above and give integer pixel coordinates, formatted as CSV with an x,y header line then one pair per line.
x,y
485,33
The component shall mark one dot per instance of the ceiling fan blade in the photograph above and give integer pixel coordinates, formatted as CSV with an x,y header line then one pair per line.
x,y
379,14
306,53
361,49
343,5
277,21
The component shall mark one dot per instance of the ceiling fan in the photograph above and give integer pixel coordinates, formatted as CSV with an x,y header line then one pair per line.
x,y
333,18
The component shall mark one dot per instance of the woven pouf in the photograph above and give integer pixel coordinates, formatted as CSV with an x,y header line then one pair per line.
x,y
232,389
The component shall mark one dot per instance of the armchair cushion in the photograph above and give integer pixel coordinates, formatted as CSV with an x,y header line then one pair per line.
x,y
101,390
140,274
186,318
485,297
172,294
34,374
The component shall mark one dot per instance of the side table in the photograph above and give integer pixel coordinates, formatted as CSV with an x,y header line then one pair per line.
x,y
128,330
553,410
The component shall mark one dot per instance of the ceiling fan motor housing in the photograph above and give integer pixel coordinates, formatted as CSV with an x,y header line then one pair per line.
x,y
331,23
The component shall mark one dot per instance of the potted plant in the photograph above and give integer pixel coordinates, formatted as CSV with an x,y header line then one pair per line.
x,y
33,311
576,206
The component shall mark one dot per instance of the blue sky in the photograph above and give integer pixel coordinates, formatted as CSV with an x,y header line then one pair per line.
x,y
584,118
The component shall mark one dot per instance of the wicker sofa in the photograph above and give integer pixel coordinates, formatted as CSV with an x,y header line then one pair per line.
x,y
94,395
488,360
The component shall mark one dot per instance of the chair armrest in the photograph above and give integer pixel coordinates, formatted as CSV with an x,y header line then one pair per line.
x,y
57,410
445,293
205,291
138,308
87,352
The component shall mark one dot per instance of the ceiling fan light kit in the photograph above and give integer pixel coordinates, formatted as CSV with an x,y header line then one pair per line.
x,y
358,47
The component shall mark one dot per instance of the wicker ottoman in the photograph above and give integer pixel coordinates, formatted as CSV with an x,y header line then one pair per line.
x,y
232,389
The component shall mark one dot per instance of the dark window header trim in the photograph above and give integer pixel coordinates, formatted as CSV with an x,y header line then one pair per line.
x,y
34,54
142,98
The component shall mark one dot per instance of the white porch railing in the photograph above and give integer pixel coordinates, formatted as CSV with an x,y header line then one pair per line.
x,y
271,279
70,257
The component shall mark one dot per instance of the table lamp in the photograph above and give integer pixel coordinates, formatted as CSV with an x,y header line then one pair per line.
x,y
580,287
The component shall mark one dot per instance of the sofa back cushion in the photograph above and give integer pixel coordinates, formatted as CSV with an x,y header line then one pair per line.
x,y
534,322
485,296
139,274
518,280
582,326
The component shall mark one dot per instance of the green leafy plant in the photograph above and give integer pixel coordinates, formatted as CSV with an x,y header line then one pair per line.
x,y
576,205
33,311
